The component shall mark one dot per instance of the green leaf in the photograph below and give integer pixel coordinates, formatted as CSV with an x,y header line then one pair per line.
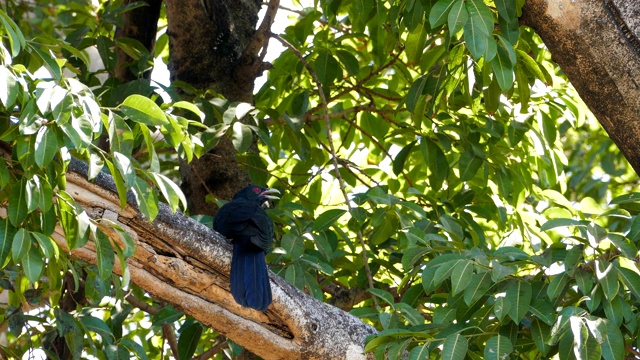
x,y
96,163
49,62
500,271
554,223
585,346
543,310
134,347
327,68
384,231
7,232
154,162
439,12
382,294
33,264
613,310
47,246
129,244
478,28
295,275
498,347
468,165
18,203
146,198
613,343
501,308
629,277
349,61
458,16
557,285
532,67
461,276
98,326
454,347
480,16
167,315
170,191
412,315
142,109
119,181
412,255
120,135
401,158
479,285
125,167
4,175
16,39
413,96
626,199
436,161
519,293
419,353
190,107
241,136
292,244
540,333
608,278
626,247
188,340
414,46
21,244
104,253
503,69
9,87
507,9
327,218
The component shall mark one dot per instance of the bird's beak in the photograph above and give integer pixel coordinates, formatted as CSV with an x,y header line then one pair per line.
x,y
269,195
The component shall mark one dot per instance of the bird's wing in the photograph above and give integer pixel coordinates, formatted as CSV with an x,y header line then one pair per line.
x,y
240,218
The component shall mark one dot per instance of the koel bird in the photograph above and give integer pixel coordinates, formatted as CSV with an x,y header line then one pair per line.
x,y
244,221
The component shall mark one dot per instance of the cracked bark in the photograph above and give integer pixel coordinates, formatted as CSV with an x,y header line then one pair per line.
x,y
184,263
595,42
212,46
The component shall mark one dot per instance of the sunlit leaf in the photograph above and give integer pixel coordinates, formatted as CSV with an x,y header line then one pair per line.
x,y
142,109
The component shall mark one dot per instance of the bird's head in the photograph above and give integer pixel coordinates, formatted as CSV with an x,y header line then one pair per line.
x,y
258,193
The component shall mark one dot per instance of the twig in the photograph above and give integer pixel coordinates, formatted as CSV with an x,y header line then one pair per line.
x,y
366,78
254,53
221,343
327,120
167,330
149,309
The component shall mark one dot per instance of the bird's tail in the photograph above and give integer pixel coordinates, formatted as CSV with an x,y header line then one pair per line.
x,y
249,277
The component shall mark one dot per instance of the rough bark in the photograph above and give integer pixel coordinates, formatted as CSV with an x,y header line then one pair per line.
x,y
207,39
186,264
214,45
596,44
140,24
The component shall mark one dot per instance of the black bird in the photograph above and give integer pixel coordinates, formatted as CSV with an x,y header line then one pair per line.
x,y
244,221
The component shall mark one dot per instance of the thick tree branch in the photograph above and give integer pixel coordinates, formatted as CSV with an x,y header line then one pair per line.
x,y
182,262
595,42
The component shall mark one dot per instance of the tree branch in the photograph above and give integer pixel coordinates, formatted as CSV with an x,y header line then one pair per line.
x,y
186,264
334,156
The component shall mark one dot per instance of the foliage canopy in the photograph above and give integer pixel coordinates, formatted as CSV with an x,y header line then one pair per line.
x,y
430,153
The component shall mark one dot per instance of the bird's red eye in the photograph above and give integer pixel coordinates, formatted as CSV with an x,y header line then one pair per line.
x,y
256,190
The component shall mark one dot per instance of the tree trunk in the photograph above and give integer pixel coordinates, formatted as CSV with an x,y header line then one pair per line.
x,y
186,264
595,43
213,44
